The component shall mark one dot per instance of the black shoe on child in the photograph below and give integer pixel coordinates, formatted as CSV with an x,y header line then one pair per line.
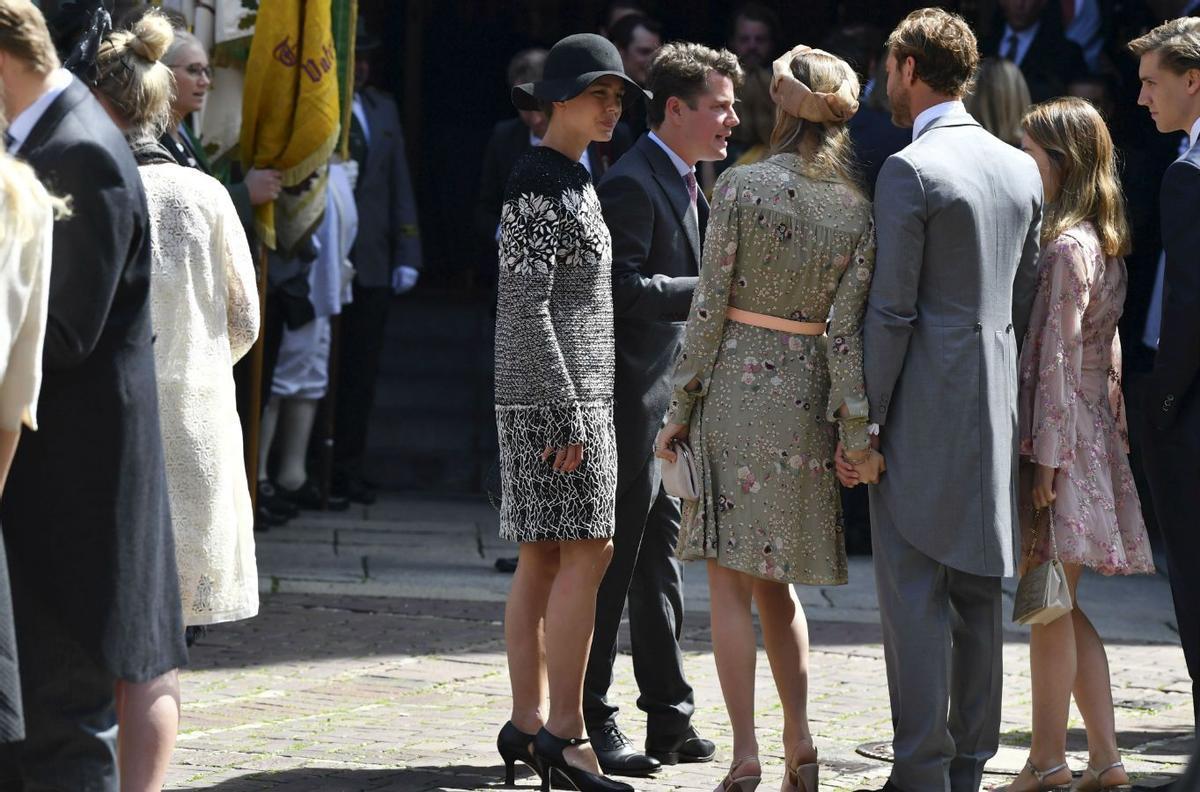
x,y
308,496
270,499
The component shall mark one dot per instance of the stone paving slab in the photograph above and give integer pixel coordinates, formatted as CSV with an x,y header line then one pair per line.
x,y
377,663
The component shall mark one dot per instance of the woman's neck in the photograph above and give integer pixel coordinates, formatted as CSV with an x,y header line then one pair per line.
x,y
565,142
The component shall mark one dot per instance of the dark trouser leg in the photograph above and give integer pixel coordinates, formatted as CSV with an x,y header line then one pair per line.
x,y
655,623
914,611
975,675
633,506
362,329
1171,460
70,714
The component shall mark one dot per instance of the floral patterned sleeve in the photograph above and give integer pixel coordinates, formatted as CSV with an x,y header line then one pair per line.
x,y
846,345
706,320
1057,361
241,285
530,230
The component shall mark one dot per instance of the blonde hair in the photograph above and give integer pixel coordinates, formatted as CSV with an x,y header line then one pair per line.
x,y
23,200
132,77
1177,43
23,33
1084,160
824,146
1000,99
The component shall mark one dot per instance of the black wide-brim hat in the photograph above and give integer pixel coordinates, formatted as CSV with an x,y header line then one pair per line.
x,y
573,64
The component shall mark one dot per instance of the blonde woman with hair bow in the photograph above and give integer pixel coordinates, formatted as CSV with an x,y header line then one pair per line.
x,y
769,380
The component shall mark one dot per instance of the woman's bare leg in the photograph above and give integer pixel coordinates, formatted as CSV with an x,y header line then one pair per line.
x,y
735,650
148,718
524,633
785,634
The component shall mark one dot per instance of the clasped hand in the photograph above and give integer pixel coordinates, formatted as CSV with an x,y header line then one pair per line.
x,y
865,471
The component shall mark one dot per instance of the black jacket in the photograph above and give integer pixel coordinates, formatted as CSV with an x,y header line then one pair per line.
x,y
1174,381
656,261
1052,61
85,512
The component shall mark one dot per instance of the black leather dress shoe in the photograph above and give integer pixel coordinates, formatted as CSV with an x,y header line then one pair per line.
x,y
617,755
689,747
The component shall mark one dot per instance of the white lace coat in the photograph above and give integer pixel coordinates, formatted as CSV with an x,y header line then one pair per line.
x,y
204,304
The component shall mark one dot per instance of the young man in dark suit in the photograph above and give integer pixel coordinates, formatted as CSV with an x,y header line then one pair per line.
x,y
656,216
85,515
1170,76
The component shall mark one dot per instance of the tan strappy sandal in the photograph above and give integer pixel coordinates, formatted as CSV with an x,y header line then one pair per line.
x,y
1041,776
743,783
1092,779
801,778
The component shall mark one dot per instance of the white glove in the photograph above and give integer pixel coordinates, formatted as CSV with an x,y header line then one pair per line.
x,y
403,279
350,168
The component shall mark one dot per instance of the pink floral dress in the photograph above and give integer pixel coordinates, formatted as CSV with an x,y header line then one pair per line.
x,y
1072,414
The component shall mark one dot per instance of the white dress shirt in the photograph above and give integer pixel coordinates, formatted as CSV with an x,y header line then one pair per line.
x,y
1024,40
360,114
681,166
24,123
1194,136
931,114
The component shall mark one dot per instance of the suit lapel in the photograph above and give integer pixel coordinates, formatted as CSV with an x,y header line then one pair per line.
x,y
672,184
44,129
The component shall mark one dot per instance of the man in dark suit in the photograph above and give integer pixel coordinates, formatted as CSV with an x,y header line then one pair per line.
x,y
656,216
1170,75
387,262
513,137
1033,37
85,516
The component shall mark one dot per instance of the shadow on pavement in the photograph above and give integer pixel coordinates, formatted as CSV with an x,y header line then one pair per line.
x,y
409,779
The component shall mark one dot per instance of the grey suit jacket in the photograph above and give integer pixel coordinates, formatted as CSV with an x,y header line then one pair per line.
x,y
957,216
388,236
656,261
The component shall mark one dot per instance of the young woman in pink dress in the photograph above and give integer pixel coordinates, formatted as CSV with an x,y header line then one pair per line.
x,y
1074,442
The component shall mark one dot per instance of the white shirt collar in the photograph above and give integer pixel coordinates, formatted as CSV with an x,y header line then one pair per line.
x,y
931,114
681,166
24,123
1024,40
1195,133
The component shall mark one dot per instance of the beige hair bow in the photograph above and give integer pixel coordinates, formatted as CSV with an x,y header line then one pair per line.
x,y
797,99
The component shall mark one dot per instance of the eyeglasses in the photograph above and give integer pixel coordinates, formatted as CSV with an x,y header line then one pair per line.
x,y
194,70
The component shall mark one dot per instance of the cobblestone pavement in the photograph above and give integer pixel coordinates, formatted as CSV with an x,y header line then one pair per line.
x,y
377,663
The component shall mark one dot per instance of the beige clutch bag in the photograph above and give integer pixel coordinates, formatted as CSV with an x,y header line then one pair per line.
x,y
680,478
1042,595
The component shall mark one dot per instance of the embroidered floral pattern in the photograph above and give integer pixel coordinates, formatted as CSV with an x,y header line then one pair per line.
x,y
1072,413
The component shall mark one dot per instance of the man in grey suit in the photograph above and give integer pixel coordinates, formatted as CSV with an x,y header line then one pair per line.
x,y
656,215
957,215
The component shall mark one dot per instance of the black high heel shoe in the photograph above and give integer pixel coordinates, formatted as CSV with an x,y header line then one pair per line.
x,y
548,750
515,746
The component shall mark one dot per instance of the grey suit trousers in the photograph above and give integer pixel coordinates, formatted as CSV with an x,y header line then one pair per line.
x,y
942,641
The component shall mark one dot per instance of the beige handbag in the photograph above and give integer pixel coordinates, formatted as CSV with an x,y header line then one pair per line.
x,y
1042,594
680,478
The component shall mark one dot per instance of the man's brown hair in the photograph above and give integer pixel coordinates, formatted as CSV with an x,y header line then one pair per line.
x,y
1177,43
681,69
941,45
23,34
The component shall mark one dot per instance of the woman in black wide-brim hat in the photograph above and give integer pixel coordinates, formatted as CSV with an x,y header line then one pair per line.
x,y
554,392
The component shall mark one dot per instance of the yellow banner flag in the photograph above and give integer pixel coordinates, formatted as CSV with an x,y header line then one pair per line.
x,y
290,113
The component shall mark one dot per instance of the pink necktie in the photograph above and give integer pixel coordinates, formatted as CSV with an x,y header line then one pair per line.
x,y
693,192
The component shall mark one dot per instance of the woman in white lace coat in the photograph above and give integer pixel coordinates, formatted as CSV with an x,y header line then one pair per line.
x,y
204,306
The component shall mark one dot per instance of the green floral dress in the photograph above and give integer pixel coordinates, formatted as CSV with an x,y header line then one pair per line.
x,y
784,242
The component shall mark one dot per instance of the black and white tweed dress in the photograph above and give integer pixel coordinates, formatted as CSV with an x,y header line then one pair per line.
x,y
554,353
